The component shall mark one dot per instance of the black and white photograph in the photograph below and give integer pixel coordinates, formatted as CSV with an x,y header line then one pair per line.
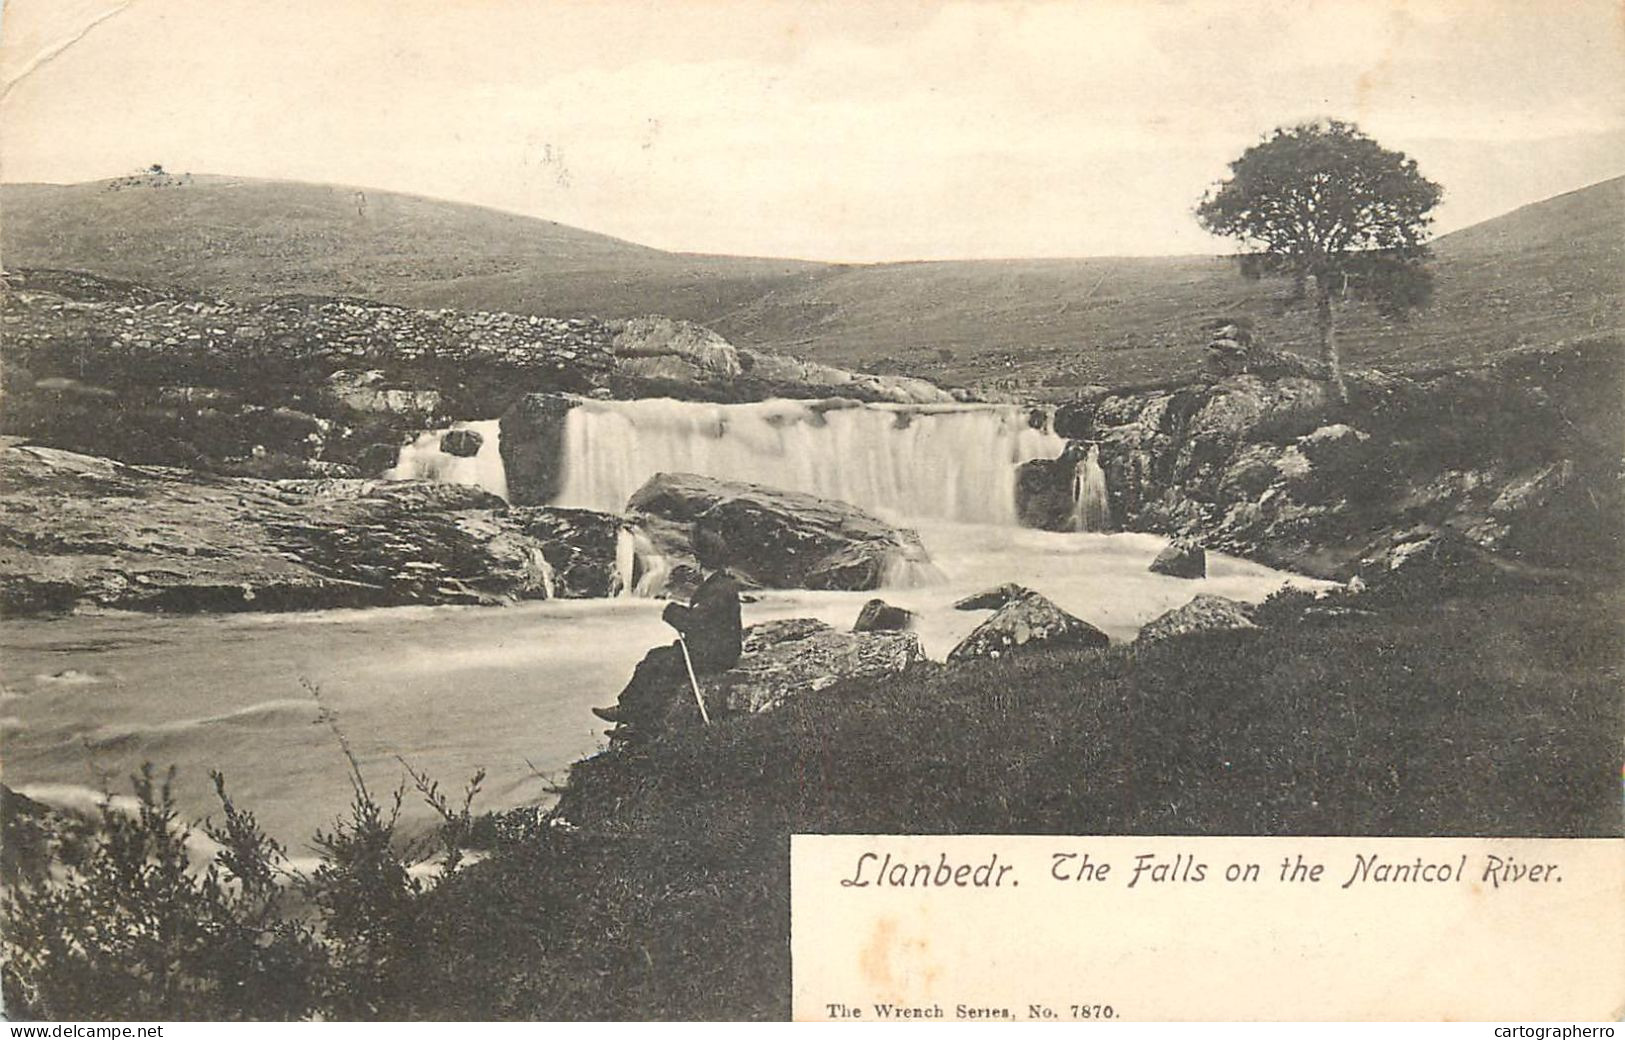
x,y
477,478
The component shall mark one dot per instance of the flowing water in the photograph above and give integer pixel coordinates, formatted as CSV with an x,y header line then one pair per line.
x,y
452,689
948,462
423,459
1091,510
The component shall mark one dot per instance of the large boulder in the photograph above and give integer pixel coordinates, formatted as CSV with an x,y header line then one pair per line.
x,y
1181,558
532,447
1044,492
785,659
1031,622
82,530
1204,613
778,539
660,350
780,375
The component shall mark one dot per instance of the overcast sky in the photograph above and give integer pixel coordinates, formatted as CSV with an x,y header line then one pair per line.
x,y
852,130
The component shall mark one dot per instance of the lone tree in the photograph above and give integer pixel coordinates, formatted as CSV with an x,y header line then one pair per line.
x,y
1323,202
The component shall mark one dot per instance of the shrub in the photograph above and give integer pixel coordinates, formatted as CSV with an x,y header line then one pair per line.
x,y
129,930
119,922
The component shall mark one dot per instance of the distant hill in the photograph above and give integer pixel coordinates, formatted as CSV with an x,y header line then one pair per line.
x,y
262,237
1546,272
1550,271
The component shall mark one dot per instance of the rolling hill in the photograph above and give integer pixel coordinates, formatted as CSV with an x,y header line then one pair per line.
x,y
1550,271
1546,272
239,235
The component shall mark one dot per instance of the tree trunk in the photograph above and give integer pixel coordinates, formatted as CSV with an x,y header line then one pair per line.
x,y
1326,327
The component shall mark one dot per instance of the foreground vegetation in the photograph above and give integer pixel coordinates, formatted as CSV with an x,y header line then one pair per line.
x,y
660,887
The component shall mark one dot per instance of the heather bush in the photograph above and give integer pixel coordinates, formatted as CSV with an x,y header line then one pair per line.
x,y
136,915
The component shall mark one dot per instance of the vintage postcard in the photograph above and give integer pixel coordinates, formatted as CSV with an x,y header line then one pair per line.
x,y
959,510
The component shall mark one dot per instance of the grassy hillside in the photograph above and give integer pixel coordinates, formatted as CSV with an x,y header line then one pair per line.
x,y
1551,271
272,237
1546,272
682,853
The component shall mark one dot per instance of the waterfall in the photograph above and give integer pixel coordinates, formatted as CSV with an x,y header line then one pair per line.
x,y
951,462
1090,510
423,459
639,569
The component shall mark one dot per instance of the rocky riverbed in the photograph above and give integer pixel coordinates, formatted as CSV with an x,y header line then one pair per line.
x,y
1517,459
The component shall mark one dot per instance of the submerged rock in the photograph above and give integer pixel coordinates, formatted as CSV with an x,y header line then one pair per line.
x,y
1181,558
879,616
1204,613
464,444
777,539
1030,622
796,656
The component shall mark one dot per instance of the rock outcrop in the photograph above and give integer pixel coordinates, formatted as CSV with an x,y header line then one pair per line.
x,y
659,350
286,387
580,546
1027,623
777,539
1204,613
797,656
780,375
82,530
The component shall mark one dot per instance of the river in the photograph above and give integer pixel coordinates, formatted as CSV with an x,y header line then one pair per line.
x,y
88,698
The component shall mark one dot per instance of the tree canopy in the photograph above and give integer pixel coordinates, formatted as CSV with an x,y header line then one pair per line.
x,y
1323,202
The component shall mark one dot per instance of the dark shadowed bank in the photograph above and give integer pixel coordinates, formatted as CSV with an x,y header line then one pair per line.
x,y
1487,712
659,887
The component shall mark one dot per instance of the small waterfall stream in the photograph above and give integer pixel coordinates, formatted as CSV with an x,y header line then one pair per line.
x,y
1090,509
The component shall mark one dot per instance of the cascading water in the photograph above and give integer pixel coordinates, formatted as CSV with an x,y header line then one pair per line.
x,y
1090,509
920,464
423,459
923,462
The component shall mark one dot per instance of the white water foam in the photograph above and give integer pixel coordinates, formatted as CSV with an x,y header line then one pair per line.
x,y
423,459
945,462
1091,511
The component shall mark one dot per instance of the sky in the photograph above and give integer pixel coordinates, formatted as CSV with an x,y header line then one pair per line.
x,y
859,130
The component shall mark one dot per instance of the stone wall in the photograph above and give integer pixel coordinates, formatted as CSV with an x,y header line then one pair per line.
x,y
313,386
